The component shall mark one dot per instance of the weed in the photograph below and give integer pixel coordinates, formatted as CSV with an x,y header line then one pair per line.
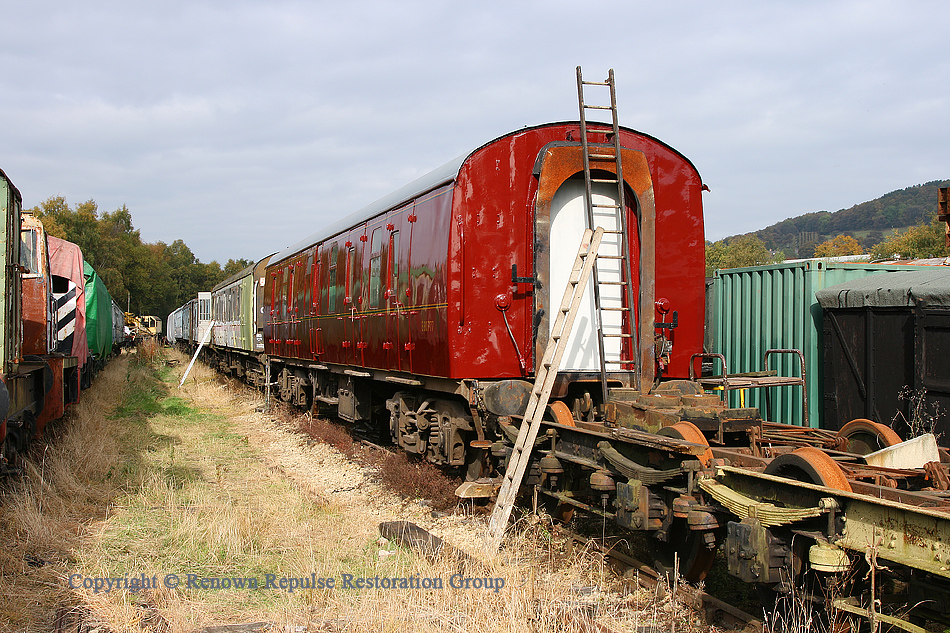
x,y
327,433
924,414
414,477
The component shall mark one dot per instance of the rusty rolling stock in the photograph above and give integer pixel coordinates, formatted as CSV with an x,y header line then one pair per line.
x,y
43,349
424,317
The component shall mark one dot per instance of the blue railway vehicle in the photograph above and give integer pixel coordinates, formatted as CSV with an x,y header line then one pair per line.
x,y
176,326
187,323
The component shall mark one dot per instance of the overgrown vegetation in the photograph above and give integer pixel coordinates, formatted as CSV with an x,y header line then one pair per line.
x,y
145,481
838,246
738,252
408,476
924,416
918,242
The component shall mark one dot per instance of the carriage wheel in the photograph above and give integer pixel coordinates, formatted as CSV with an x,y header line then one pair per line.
x,y
810,465
561,413
866,436
686,549
689,432
689,547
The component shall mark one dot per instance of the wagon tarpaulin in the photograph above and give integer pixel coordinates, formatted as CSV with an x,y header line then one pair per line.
x,y
65,260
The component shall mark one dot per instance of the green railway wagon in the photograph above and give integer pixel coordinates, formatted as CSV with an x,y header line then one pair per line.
x,y
233,310
98,315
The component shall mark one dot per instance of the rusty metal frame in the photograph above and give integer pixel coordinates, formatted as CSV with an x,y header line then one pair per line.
x,y
556,163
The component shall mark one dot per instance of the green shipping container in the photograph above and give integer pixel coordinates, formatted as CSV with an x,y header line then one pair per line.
x,y
774,307
98,314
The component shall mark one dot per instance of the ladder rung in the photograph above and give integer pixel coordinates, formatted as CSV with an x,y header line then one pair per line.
x,y
613,232
612,283
604,180
595,83
605,206
598,107
610,257
615,309
602,156
618,335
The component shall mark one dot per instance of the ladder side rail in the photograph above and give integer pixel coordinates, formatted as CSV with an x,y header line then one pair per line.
x,y
632,300
589,207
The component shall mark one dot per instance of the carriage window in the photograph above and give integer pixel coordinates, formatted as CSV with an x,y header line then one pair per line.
x,y
350,273
315,283
331,305
273,293
375,268
28,254
60,285
289,280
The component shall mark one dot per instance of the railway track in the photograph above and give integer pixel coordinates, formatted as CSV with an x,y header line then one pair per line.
x,y
770,497
715,610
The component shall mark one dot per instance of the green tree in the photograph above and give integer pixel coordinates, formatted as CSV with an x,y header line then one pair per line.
x,y
838,246
235,266
918,242
147,278
807,250
737,252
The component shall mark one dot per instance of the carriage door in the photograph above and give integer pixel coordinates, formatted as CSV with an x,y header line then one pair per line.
x,y
352,300
315,324
204,317
282,318
398,292
375,321
393,344
568,221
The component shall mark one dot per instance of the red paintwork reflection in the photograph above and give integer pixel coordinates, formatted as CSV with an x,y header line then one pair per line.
x,y
421,297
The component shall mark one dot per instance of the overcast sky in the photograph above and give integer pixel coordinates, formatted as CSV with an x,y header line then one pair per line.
x,y
241,127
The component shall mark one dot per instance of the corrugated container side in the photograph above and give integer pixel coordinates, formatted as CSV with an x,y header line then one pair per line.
x,y
774,307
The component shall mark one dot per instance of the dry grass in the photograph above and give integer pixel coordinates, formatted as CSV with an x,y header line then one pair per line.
x,y
71,478
193,481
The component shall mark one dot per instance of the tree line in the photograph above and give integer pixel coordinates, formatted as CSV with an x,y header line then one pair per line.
x,y
143,278
921,241
868,222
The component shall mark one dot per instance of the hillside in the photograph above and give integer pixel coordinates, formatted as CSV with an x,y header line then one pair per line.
x,y
868,222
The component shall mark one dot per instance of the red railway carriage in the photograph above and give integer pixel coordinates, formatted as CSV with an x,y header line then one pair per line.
x,y
452,277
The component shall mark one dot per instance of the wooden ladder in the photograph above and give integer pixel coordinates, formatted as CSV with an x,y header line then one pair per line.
x,y
599,155
584,264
